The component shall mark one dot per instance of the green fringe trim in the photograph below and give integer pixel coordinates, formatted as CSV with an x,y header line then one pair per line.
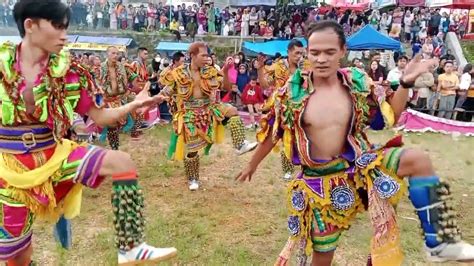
x,y
173,143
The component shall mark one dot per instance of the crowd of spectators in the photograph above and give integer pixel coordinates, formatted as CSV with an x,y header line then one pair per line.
x,y
445,91
408,24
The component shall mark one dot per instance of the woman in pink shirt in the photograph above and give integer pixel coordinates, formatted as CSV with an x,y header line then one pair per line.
x,y
427,48
151,17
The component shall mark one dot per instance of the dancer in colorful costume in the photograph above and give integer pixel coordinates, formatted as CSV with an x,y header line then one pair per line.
x,y
198,120
276,76
115,81
42,174
321,117
138,68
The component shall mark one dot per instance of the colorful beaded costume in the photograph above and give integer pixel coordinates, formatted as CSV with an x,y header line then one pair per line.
x,y
41,173
117,98
197,123
326,195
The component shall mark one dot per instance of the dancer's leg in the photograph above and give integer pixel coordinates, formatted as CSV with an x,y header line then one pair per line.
x,y
191,169
322,258
237,130
23,258
251,114
135,133
287,167
113,138
429,196
325,238
127,201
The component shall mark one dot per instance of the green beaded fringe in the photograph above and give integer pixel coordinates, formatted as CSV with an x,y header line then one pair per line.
x,y
237,131
127,202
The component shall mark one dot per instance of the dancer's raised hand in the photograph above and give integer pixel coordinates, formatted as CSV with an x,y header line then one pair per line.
x,y
228,62
416,67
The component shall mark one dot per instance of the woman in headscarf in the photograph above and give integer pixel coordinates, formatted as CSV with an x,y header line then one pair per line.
x,y
384,24
242,77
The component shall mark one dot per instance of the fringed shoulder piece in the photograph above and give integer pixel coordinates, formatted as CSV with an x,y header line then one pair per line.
x,y
7,57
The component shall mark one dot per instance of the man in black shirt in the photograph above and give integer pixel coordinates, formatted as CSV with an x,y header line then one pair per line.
x,y
434,22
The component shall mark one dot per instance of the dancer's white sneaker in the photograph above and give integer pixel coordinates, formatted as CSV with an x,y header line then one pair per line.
x,y
246,147
287,177
193,185
460,251
145,253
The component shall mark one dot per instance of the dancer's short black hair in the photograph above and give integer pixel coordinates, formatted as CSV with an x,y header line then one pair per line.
x,y
403,57
140,49
54,11
467,68
295,43
327,24
177,56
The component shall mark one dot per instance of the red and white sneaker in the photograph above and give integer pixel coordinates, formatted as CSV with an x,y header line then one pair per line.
x,y
143,254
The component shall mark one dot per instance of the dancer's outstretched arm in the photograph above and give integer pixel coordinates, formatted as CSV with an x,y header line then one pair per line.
x,y
110,116
263,149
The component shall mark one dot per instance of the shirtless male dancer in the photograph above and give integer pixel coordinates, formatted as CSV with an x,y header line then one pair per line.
x,y
322,116
115,81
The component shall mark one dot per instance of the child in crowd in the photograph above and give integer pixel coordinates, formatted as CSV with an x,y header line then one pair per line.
x,y
252,97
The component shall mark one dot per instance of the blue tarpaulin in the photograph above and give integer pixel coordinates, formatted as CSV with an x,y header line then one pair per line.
x,y
365,39
72,38
105,40
370,39
172,46
269,48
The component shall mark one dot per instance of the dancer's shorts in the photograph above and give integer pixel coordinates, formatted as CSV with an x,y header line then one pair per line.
x,y
324,200
65,169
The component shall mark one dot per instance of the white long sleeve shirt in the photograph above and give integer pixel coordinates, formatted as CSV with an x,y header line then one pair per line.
x,y
465,81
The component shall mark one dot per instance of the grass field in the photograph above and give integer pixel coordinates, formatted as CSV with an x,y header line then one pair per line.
x,y
226,223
